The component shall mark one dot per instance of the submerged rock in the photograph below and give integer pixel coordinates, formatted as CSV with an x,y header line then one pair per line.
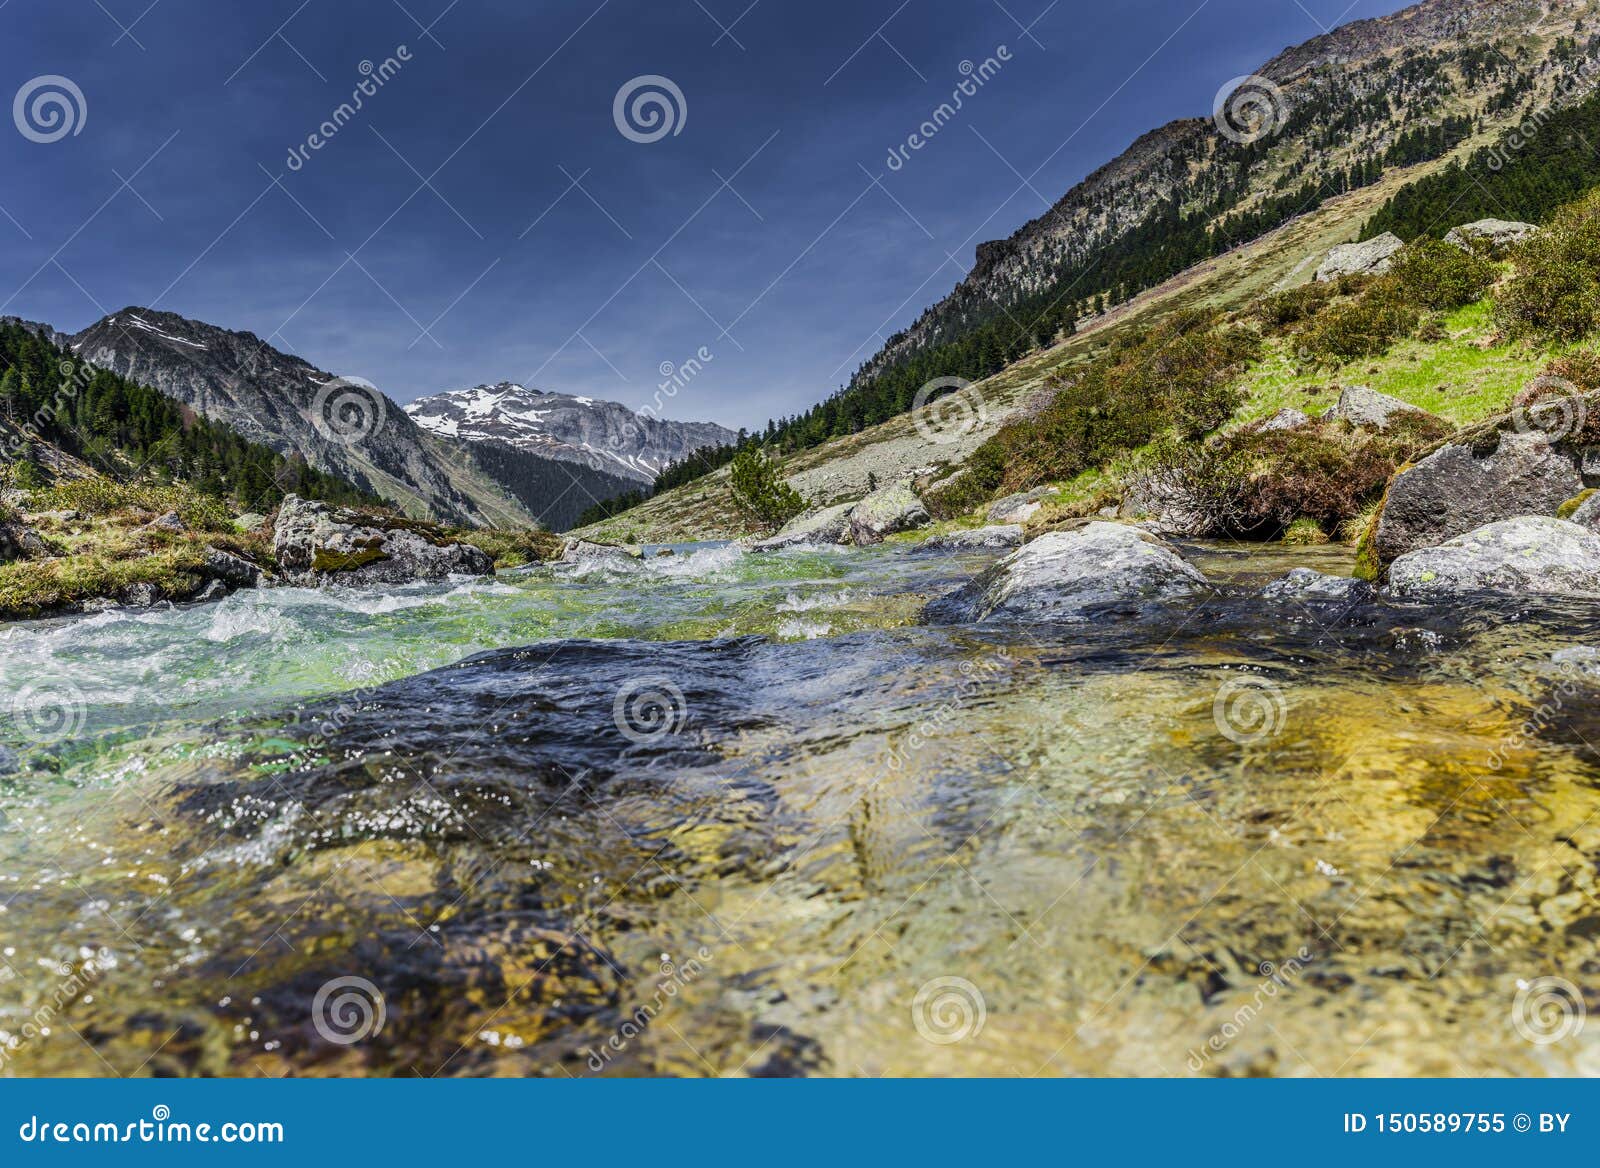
x,y
588,557
831,525
318,544
1454,491
1361,406
886,512
975,539
1063,573
1306,584
1370,258
1530,555
1498,234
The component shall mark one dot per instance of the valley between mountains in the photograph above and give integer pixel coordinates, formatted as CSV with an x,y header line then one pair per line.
x,y
1174,652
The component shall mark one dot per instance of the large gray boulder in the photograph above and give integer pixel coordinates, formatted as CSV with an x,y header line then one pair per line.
x,y
831,525
887,511
318,544
1062,574
1371,258
1498,235
1454,491
20,542
1361,406
1530,555
975,539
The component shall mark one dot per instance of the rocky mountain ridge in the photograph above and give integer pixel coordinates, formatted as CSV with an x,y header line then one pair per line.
x,y
343,426
602,435
1343,100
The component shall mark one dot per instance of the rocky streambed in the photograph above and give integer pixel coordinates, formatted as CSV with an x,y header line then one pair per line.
x,y
1209,809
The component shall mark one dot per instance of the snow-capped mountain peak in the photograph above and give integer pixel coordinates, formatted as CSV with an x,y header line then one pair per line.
x,y
600,434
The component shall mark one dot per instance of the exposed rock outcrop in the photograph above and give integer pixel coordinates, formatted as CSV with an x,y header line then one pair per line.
x,y
1497,235
1455,490
1361,406
1063,574
585,557
1308,585
1372,257
1286,419
830,525
1530,555
318,544
1017,508
887,511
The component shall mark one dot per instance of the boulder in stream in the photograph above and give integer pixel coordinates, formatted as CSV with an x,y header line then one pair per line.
x,y
1063,573
318,544
1309,585
830,525
887,511
975,539
1456,490
1529,555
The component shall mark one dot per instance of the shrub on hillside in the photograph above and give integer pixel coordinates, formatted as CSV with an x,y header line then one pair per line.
x,y
1293,305
1364,326
759,493
1262,483
1437,275
1554,290
1180,377
99,495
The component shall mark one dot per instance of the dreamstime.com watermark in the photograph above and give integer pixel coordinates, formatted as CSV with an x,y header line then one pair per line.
x,y
1536,723
1275,980
974,674
649,107
77,978
674,978
647,709
373,78
75,377
160,1128
675,378
1570,90
1248,709
1248,109
348,410
947,409
973,78
948,1010
48,108
1547,1010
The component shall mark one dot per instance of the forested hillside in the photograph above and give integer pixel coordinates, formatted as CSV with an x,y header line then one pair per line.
x,y
51,401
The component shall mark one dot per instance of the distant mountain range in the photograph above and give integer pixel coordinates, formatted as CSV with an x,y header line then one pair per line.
x,y
598,434
496,466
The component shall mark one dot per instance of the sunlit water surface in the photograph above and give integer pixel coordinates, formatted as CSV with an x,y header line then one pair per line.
x,y
745,815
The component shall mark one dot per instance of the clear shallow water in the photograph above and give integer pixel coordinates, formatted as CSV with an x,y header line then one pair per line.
x,y
743,815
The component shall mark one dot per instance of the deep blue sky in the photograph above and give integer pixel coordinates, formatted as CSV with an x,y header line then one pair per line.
x,y
523,276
